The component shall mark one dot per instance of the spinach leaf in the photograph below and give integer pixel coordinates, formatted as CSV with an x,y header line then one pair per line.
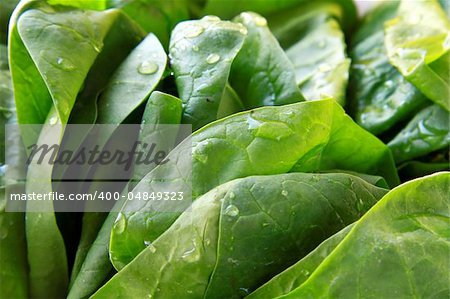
x,y
267,8
6,9
302,137
231,239
42,232
132,82
415,169
13,254
315,44
417,45
68,61
201,53
156,16
427,132
399,247
261,73
381,96
297,274
160,109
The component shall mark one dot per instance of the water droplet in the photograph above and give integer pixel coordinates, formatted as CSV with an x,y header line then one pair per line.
x,y
148,67
195,48
243,31
260,21
212,58
187,253
231,211
244,291
211,18
98,48
284,193
305,272
120,224
194,31
389,83
53,120
150,246
64,64
324,67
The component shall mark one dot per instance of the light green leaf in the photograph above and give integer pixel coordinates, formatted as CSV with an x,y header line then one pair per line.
x,y
399,247
417,43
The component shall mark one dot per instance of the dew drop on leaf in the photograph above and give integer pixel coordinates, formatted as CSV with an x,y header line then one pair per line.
x,y
148,67
194,31
212,58
232,211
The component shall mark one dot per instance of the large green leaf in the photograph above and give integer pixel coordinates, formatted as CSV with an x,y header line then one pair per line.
x,y
241,233
399,247
381,96
297,274
261,73
427,132
302,137
201,53
417,43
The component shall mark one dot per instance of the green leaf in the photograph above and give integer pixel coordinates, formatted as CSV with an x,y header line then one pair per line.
x,y
91,224
303,137
399,247
417,45
160,109
381,96
315,44
132,82
267,8
6,9
240,233
156,16
261,73
13,253
43,235
297,274
201,53
416,169
427,132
